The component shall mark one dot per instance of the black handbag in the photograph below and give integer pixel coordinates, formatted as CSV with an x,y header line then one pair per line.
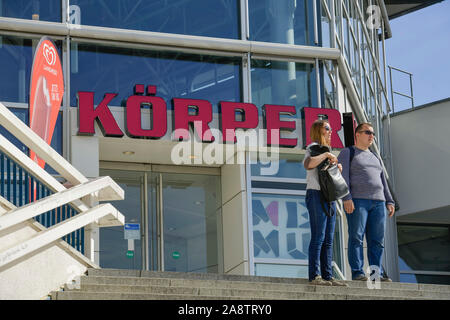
x,y
332,183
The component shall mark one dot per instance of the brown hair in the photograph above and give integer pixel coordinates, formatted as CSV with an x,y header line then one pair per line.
x,y
358,128
315,133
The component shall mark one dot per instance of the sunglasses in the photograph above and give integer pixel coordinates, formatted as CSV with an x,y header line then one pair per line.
x,y
368,132
327,128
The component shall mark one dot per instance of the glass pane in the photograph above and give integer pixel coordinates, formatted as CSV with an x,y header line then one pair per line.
x,y
176,75
113,245
424,248
218,18
280,227
278,21
289,166
23,114
191,204
281,270
432,279
283,83
408,278
49,10
326,28
16,59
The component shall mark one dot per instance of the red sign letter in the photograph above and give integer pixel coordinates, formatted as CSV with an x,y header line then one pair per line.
x,y
87,115
229,123
133,117
274,124
182,118
334,119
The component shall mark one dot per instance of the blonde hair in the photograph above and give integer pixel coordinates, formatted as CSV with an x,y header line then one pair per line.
x,y
315,133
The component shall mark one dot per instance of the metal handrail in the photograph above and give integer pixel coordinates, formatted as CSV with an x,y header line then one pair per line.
x,y
20,187
22,181
399,93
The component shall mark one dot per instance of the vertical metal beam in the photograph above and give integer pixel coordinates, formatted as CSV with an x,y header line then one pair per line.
x,y
146,251
248,181
246,78
333,24
316,32
336,86
161,222
245,20
319,102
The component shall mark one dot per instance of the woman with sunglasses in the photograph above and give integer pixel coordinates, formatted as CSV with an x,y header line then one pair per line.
x,y
322,226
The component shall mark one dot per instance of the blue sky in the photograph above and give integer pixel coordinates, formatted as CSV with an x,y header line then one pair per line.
x,y
420,44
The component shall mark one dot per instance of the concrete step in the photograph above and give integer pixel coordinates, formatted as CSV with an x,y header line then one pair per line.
x,y
211,294
254,279
117,284
132,282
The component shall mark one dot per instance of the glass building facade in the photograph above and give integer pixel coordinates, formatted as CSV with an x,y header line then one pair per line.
x,y
302,53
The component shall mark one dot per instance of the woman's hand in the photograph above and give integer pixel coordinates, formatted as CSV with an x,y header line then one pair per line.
x,y
332,158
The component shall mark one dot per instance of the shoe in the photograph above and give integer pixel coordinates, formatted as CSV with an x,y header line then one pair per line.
x,y
387,279
320,282
338,283
361,277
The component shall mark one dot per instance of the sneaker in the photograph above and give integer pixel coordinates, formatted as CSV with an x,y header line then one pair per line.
x,y
387,279
361,277
338,283
320,282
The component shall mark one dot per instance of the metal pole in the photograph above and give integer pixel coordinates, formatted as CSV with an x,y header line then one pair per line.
x,y
392,94
319,102
316,33
145,242
161,222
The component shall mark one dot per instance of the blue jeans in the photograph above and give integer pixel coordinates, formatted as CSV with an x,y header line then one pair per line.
x,y
320,253
368,218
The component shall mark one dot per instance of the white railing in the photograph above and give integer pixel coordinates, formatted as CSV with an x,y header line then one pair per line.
x,y
80,196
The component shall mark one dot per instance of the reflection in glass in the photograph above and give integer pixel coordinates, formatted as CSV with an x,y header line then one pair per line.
x,y
23,114
424,248
191,204
280,226
289,166
281,270
16,59
289,21
49,10
113,245
190,224
218,18
176,75
283,83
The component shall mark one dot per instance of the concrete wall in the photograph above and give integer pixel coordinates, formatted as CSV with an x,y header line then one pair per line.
x,y
34,276
421,154
235,219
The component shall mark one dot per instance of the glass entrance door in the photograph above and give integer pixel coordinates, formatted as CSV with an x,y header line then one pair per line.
x,y
190,205
178,216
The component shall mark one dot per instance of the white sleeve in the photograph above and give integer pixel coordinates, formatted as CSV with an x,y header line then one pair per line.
x,y
307,155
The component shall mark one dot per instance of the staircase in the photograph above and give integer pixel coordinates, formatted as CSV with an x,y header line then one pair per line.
x,y
35,257
118,284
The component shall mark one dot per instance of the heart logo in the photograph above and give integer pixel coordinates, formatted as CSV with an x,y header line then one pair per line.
x,y
49,54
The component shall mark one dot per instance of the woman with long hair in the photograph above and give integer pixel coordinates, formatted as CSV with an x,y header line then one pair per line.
x,y
322,225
